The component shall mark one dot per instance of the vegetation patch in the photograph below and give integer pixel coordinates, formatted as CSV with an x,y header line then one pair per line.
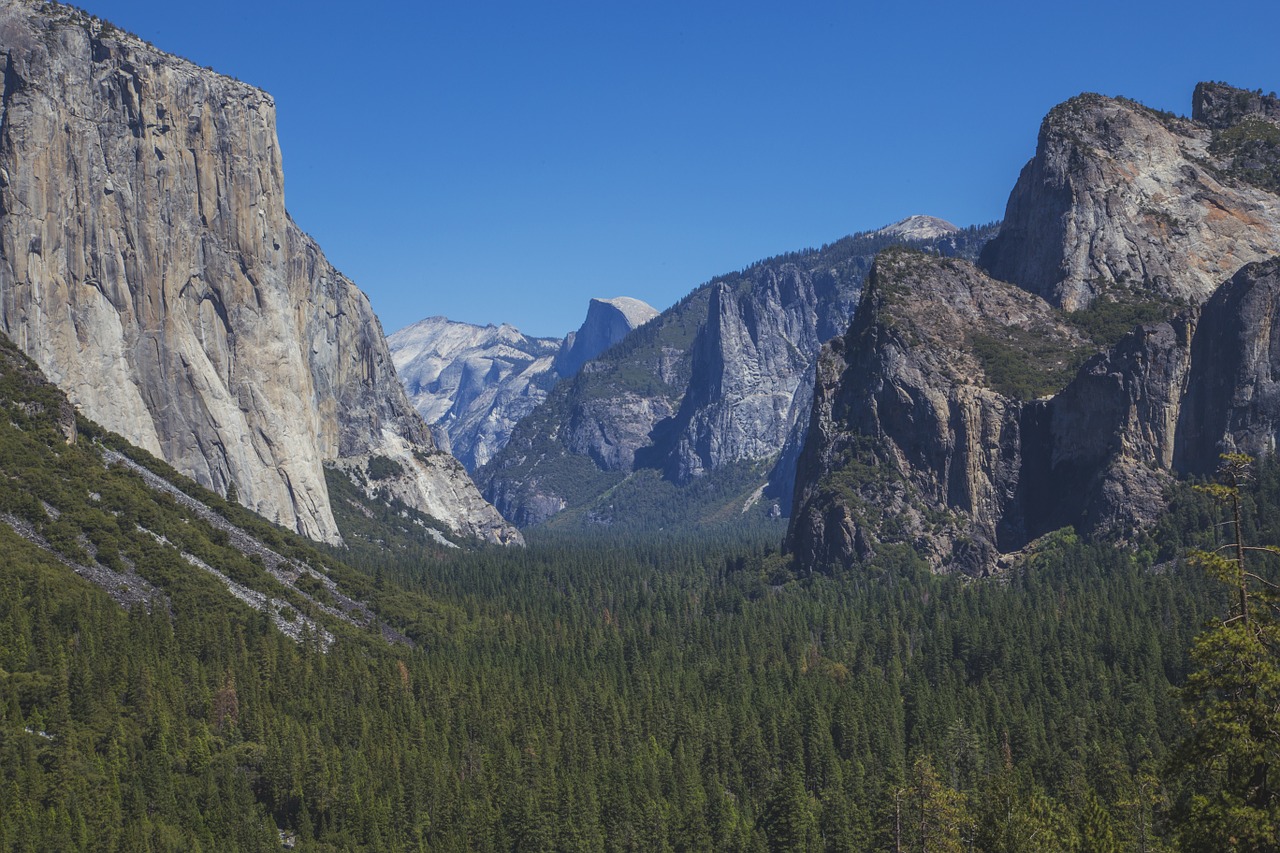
x,y
1106,321
1025,364
1250,152
384,468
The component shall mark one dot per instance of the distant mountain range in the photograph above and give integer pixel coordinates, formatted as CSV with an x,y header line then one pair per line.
x,y
473,383
698,415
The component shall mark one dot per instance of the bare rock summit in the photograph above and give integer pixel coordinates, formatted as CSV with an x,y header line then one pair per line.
x,y
1122,201
919,228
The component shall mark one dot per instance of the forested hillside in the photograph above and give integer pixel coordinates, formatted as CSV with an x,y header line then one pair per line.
x,y
585,694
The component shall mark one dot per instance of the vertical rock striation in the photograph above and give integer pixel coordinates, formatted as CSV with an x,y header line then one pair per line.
x,y
151,270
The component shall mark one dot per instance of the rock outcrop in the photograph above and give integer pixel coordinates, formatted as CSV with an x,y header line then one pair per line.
x,y
1221,107
608,321
718,385
916,437
965,417
1125,202
151,270
472,384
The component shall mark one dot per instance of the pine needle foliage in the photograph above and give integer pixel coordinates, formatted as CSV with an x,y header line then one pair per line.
x,y
1232,695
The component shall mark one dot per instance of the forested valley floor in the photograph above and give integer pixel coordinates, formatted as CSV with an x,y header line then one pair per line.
x,y
611,693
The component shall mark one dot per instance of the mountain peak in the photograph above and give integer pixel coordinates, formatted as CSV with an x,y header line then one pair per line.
x,y
608,321
919,228
635,311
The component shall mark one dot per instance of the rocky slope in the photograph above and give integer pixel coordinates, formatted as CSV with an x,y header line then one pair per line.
x,y
952,416
915,436
472,384
717,386
911,442
128,523
1120,199
151,270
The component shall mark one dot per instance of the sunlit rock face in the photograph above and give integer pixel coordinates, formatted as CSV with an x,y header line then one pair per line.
x,y
473,384
151,269
1121,200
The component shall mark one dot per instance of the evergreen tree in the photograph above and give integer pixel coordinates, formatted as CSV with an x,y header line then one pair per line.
x,y
1232,755
930,817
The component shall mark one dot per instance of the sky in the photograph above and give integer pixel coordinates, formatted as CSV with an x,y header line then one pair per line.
x,y
506,161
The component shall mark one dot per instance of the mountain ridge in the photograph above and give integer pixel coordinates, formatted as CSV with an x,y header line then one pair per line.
x,y
714,386
472,384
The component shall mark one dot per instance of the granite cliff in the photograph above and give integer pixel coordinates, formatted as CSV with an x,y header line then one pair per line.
x,y
1122,201
472,384
150,268
965,416
608,321
916,437
710,397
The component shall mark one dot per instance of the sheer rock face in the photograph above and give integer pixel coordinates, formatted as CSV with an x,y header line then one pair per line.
x,y
472,384
1232,403
724,378
150,269
752,365
1103,449
909,443
1121,200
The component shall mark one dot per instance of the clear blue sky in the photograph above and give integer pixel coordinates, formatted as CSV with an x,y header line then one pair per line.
x,y
506,161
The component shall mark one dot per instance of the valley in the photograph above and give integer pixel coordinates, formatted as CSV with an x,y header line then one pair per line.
x,y
933,537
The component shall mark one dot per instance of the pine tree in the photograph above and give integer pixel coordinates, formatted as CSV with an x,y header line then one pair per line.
x,y
1232,697
930,817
